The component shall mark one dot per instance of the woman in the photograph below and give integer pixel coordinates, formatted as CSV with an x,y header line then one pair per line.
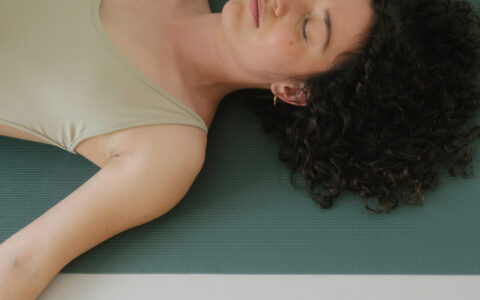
x,y
294,49
397,107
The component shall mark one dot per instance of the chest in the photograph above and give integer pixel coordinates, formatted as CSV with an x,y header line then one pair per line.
x,y
130,26
140,30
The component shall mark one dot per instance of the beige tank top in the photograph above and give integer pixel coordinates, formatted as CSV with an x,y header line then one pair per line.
x,y
62,79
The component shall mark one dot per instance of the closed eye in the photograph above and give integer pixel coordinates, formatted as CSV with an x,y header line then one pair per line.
x,y
304,32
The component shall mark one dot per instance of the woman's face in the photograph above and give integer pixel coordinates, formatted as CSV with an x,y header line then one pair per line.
x,y
281,48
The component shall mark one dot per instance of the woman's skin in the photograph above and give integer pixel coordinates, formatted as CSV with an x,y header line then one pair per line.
x,y
210,55
227,52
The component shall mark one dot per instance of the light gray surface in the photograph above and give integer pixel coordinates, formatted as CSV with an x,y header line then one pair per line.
x,y
253,287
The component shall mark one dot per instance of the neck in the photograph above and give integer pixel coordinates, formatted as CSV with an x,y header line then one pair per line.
x,y
206,63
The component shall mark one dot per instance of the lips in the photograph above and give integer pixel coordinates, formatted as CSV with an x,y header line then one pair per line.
x,y
254,10
260,10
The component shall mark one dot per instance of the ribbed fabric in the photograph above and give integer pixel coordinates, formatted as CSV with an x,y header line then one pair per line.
x,y
62,79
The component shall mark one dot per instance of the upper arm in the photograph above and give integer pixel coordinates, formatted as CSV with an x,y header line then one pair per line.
x,y
128,191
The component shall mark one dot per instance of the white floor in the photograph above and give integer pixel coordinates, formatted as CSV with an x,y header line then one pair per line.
x,y
253,287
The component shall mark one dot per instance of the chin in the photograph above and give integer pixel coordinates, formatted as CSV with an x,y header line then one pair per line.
x,y
234,13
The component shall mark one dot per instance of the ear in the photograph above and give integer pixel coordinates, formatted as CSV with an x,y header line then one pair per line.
x,y
290,92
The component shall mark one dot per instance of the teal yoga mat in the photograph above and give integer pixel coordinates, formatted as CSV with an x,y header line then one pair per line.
x,y
242,216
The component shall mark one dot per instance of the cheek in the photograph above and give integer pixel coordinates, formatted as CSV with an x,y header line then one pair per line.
x,y
283,44
283,50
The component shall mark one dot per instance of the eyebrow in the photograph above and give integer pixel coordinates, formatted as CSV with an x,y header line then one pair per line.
x,y
328,25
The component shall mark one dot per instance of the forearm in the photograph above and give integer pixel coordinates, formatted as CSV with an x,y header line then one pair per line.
x,y
19,279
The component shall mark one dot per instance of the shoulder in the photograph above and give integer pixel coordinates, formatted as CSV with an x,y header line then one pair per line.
x,y
163,139
151,141
152,171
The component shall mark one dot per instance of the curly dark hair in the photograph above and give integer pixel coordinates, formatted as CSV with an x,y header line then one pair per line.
x,y
389,112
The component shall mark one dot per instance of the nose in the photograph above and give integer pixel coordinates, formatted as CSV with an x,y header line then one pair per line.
x,y
280,7
283,7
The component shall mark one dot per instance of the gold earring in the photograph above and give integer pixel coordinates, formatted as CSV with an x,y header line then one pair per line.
x,y
275,100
